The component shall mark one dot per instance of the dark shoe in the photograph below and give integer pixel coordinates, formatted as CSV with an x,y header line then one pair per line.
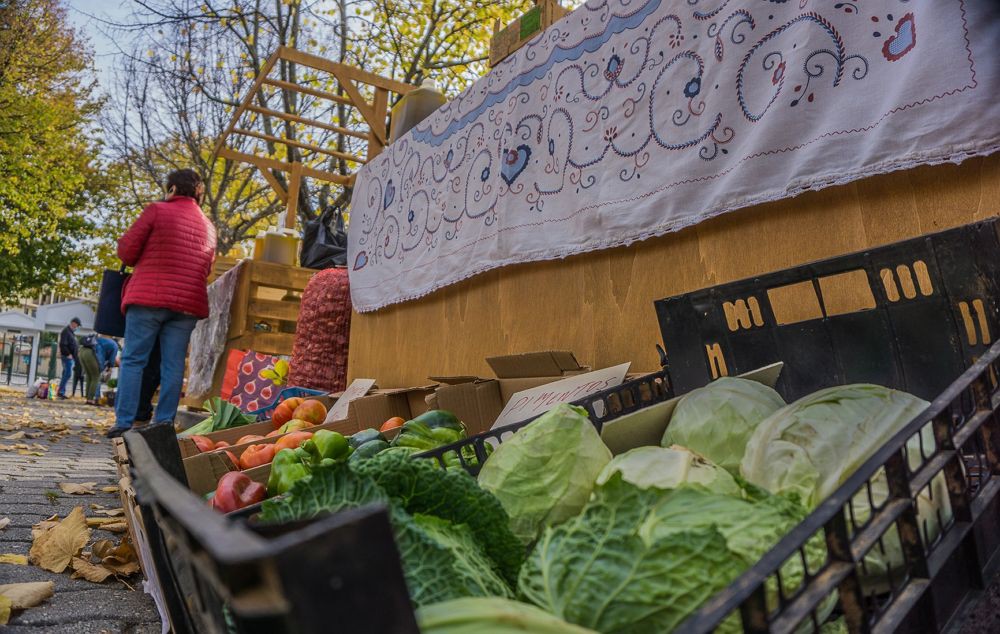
x,y
116,432
62,397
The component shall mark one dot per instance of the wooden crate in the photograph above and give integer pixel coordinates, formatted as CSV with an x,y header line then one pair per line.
x,y
263,315
507,40
221,265
133,517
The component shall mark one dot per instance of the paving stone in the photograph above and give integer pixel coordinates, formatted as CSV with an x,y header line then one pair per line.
x,y
77,605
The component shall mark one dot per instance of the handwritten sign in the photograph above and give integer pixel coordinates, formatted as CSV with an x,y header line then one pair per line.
x,y
538,400
357,389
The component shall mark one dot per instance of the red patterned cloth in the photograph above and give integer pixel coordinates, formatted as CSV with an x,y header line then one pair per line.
x,y
319,358
252,392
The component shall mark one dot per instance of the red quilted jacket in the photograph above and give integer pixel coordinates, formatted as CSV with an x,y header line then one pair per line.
x,y
171,247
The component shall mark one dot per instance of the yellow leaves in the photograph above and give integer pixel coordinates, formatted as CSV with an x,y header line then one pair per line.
x,y
21,596
121,559
27,595
83,569
15,560
54,548
83,488
4,522
15,436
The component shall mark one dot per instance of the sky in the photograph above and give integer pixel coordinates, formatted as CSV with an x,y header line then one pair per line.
x,y
90,16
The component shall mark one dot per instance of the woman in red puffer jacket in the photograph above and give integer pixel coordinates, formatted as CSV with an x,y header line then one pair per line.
x,y
171,247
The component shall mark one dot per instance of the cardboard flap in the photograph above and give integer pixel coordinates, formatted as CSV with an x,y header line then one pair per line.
x,y
530,364
455,380
476,404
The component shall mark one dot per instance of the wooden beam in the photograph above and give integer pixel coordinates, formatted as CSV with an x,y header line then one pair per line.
x,y
275,185
343,70
308,90
378,136
268,163
299,144
366,110
310,122
292,207
268,65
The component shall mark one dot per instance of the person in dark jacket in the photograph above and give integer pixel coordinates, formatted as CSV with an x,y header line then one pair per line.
x,y
171,247
69,352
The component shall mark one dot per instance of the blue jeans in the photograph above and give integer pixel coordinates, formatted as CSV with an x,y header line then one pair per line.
x,y
143,328
67,375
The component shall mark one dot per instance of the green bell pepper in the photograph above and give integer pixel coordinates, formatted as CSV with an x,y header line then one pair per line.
x,y
326,445
419,436
440,418
287,468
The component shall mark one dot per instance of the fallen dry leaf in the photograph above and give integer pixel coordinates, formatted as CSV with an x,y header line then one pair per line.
x,y
34,434
25,452
20,445
4,521
39,447
101,521
53,549
109,489
27,595
82,488
44,525
15,436
94,506
17,560
7,448
111,512
86,570
117,527
5,604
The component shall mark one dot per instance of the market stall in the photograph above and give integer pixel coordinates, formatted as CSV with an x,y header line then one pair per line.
x,y
799,204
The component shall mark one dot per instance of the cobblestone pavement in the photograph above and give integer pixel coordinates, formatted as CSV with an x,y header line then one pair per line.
x,y
29,493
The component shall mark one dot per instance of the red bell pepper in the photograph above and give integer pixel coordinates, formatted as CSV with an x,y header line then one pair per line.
x,y
235,491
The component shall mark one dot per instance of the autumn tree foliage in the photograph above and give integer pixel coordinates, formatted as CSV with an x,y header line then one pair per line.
x,y
50,177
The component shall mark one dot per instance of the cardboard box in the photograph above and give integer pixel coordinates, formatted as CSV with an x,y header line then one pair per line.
x,y
478,401
188,448
204,469
512,37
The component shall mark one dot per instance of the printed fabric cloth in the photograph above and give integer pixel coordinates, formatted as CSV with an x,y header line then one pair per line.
x,y
629,119
208,340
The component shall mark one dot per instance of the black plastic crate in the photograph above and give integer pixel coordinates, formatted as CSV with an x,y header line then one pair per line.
x,y
602,407
339,572
942,575
910,315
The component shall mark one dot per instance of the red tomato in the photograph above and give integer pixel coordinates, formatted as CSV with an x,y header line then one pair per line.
x,y
204,444
222,444
249,438
283,412
236,490
256,455
292,440
294,425
311,411
392,423
271,434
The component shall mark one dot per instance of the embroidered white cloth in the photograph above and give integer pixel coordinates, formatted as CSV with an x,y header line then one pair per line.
x,y
632,118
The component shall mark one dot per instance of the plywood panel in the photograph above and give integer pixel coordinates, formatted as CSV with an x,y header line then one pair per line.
x,y
600,305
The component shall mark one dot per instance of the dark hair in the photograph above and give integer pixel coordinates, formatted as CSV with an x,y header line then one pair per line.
x,y
75,320
185,181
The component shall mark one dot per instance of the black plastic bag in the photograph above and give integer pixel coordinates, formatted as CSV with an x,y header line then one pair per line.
x,y
324,241
109,319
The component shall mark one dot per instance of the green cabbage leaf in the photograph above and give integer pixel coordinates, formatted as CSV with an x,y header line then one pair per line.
x,y
669,468
545,472
717,420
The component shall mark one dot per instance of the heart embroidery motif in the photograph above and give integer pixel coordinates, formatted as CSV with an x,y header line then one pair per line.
x,y
514,162
390,193
360,261
903,41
